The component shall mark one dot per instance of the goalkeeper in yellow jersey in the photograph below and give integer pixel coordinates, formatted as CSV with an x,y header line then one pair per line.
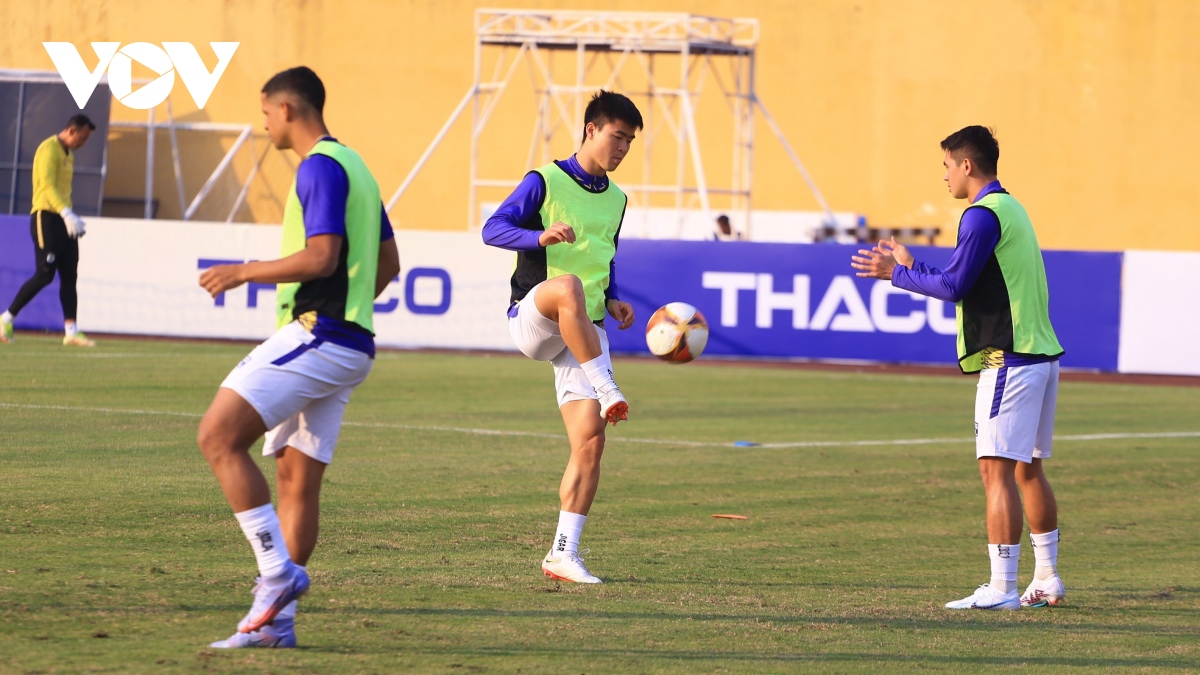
x,y
55,229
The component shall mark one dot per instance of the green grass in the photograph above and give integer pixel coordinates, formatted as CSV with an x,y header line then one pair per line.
x,y
118,553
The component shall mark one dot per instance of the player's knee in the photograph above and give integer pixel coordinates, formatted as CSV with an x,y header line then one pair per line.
x,y
997,470
211,439
43,276
569,288
1029,473
593,448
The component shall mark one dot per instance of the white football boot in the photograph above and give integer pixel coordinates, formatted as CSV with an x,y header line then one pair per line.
x,y
1045,593
567,567
613,407
281,633
986,597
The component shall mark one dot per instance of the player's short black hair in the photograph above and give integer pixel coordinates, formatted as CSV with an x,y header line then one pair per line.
x,y
978,143
80,121
607,106
303,83
723,219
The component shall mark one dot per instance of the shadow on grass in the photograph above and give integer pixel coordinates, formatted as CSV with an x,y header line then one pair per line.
x,y
782,657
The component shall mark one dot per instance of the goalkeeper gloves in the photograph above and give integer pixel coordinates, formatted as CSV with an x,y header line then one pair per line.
x,y
75,225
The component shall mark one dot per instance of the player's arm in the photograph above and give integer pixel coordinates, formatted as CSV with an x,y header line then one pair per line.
x,y
45,172
517,224
318,259
389,255
977,237
322,187
621,311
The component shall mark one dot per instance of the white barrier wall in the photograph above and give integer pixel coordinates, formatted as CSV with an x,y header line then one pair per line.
x,y
141,277
1160,313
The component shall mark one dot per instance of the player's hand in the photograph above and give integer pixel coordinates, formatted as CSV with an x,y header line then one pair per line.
x,y
75,225
899,252
621,311
557,233
879,262
220,278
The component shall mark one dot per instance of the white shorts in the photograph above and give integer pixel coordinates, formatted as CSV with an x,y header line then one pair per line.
x,y
539,338
1014,411
300,387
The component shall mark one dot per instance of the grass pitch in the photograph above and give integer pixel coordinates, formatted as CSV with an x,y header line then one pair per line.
x,y
118,553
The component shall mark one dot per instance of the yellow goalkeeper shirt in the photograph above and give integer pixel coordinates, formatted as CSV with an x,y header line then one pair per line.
x,y
53,169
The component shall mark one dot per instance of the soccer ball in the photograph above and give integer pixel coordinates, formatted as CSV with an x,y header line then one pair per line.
x,y
677,333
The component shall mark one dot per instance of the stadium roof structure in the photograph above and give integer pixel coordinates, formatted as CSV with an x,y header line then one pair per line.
x,y
607,47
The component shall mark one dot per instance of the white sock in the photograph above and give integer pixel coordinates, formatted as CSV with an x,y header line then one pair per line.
x,y
1045,554
1004,566
599,372
261,527
570,528
71,329
6,317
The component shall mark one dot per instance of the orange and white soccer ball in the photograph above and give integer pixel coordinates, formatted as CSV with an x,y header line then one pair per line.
x,y
677,333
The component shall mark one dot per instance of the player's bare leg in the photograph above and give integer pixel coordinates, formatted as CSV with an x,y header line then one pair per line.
x,y
561,300
1004,536
298,484
227,431
1004,512
1041,510
585,430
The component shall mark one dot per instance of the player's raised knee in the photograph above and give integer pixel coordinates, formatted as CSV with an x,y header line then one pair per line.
x,y
568,288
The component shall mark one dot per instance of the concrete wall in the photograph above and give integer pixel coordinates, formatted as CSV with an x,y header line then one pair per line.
x,y
1094,102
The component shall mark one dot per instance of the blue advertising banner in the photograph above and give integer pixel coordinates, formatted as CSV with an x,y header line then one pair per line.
x,y
17,265
803,301
761,300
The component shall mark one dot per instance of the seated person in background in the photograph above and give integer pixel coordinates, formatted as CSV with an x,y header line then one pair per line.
x,y
724,232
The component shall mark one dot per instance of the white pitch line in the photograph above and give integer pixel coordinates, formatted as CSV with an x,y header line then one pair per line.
x,y
122,411
655,441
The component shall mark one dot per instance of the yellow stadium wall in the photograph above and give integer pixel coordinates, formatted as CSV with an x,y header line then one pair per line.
x,y
1094,102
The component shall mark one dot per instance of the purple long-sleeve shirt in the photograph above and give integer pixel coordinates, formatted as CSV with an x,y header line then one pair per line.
x,y
516,225
978,233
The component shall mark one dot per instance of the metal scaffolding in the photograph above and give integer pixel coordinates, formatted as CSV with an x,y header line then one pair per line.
x,y
611,50
188,209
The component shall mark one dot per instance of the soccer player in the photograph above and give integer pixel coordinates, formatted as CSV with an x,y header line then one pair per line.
x,y
998,280
338,254
563,221
55,229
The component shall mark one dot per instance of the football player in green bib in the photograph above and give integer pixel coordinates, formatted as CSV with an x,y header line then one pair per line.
x,y
564,221
338,254
997,279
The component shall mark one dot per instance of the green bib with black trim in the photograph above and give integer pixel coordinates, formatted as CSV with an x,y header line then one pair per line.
x,y
1008,308
349,295
596,219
